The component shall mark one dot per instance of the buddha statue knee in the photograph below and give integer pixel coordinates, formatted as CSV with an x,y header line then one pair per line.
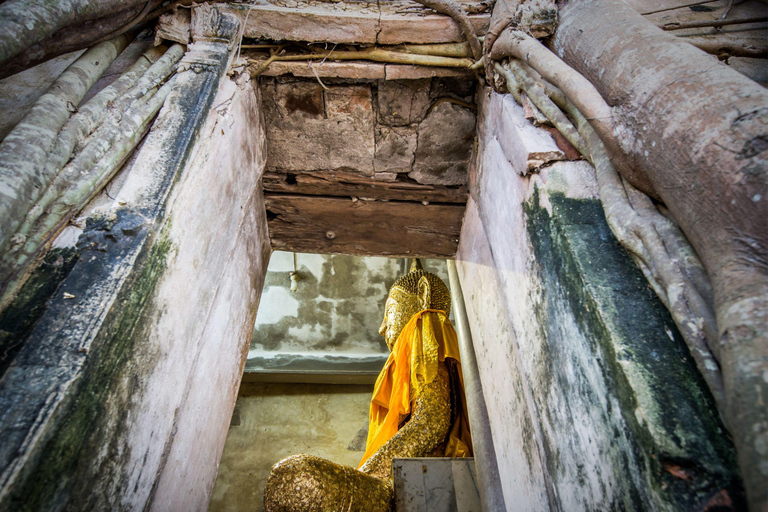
x,y
313,484
417,409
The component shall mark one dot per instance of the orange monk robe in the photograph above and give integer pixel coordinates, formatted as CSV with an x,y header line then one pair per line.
x,y
427,339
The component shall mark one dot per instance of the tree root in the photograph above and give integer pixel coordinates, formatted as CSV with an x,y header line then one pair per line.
x,y
24,151
374,54
457,50
654,242
90,116
53,17
449,8
722,23
101,135
683,6
521,46
725,49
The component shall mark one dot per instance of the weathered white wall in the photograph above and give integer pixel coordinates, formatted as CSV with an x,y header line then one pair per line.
x,y
202,311
591,394
510,408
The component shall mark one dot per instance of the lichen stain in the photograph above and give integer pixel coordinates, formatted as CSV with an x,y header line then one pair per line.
x,y
18,319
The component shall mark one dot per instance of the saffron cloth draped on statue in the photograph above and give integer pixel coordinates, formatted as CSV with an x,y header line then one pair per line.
x,y
427,340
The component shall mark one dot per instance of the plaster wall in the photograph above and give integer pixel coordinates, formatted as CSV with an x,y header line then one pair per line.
x,y
593,399
333,315
205,305
273,421
511,411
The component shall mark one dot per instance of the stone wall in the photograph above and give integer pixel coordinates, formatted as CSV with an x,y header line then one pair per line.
x,y
593,399
416,128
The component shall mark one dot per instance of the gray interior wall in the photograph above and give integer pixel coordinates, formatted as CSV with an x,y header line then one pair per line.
x,y
330,322
274,421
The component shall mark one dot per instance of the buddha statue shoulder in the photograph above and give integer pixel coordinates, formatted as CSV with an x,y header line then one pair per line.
x,y
418,409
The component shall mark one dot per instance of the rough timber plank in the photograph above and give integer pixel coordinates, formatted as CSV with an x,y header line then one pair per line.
x,y
349,184
369,228
363,24
357,70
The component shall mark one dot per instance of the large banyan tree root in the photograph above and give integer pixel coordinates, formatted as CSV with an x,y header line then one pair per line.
x,y
25,149
72,38
698,131
24,23
90,148
693,133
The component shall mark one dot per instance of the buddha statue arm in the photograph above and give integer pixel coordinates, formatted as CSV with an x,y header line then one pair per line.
x,y
425,430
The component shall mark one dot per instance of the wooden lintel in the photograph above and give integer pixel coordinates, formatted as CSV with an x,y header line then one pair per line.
x,y
356,70
332,225
348,184
363,23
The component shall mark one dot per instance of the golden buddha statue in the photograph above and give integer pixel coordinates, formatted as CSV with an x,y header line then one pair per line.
x,y
418,409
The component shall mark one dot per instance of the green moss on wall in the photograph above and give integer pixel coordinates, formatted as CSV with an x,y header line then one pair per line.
x,y
585,272
67,451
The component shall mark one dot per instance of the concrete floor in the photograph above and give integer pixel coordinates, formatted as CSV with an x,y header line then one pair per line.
x,y
273,421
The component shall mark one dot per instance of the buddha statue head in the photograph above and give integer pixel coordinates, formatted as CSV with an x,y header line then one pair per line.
x,y
413,292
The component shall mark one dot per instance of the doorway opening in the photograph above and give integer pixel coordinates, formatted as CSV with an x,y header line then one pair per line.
x,y
314,357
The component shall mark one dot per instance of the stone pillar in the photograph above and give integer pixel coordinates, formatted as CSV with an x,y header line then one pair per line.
x,y
122,395
486,467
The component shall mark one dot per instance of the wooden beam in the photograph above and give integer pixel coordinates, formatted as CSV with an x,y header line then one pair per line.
x,y
366,24
332,225
356,70
349,184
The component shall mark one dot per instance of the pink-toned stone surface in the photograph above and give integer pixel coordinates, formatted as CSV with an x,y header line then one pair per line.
x,y
352,23
305,121
378,129
403,72
442,155
426,29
